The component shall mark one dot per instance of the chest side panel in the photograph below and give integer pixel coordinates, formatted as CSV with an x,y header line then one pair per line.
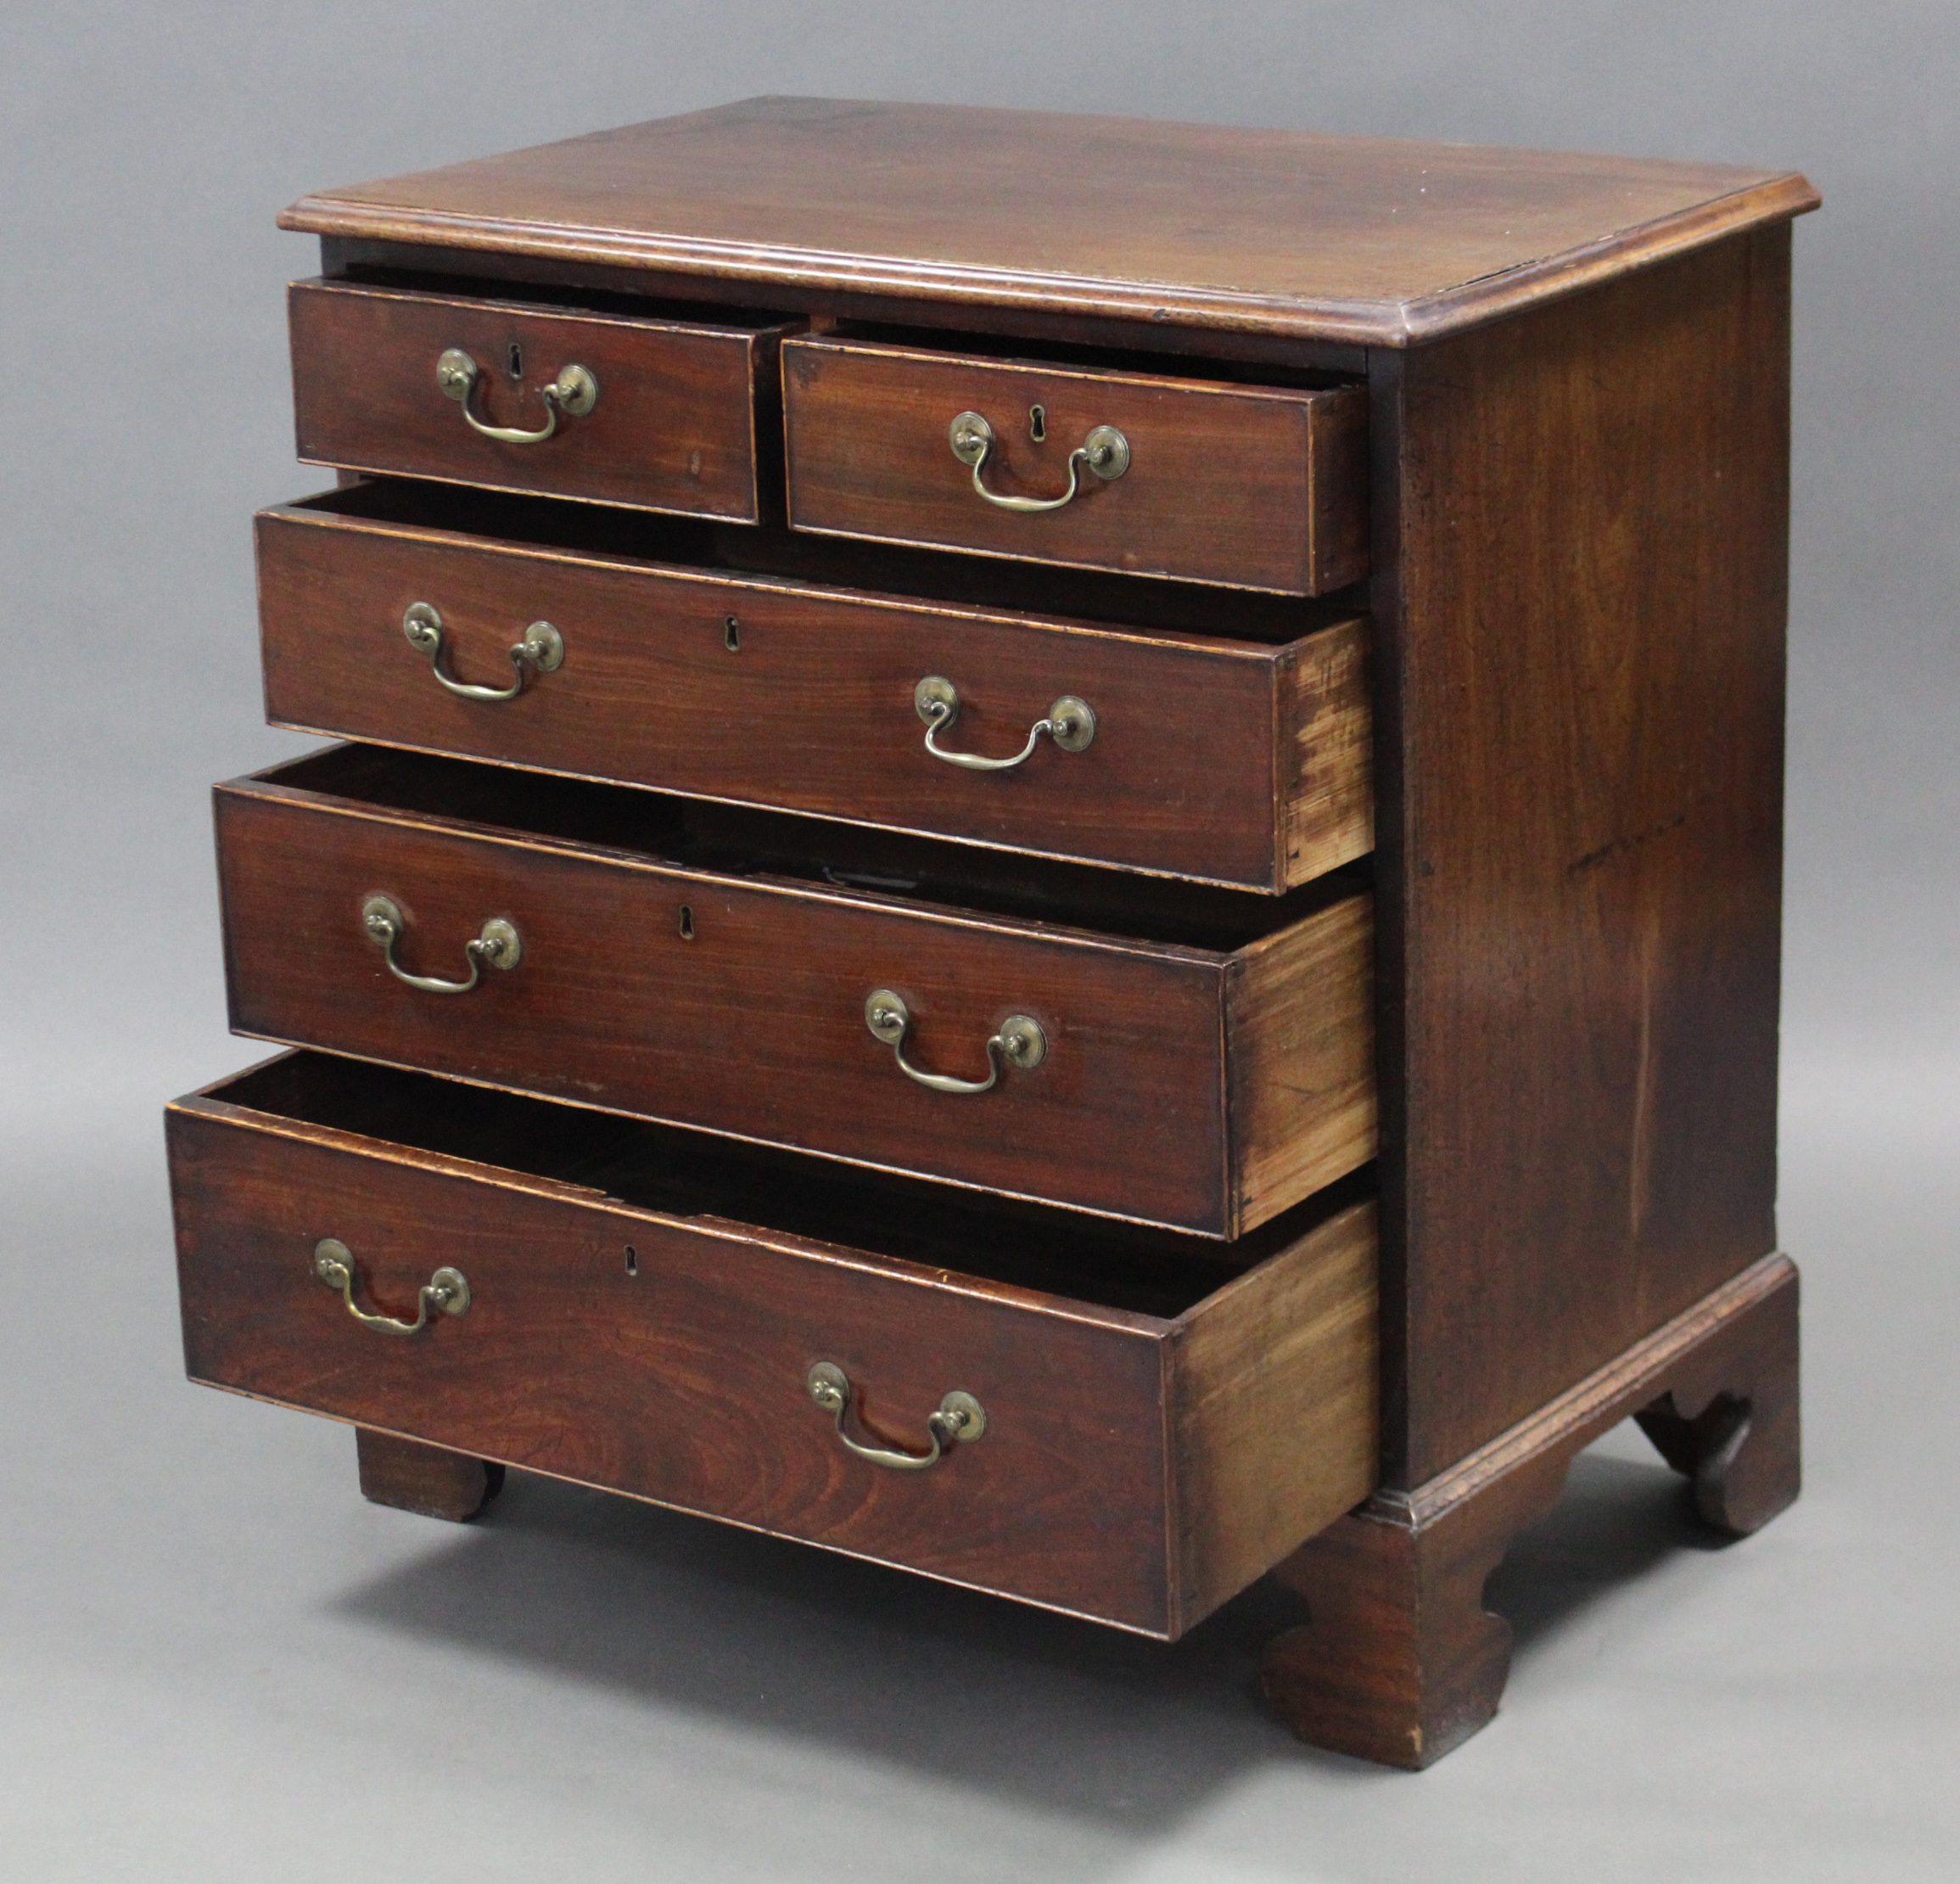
x,y
1583,645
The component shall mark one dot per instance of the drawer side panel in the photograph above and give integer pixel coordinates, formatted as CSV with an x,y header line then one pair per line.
x,y
1326,754
1276,1410
1301,1090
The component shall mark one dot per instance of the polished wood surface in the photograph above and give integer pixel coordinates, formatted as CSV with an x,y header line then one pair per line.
x,y
430,1481
665,1354
675,429
1580,735
1217,759
1255,1246
1248,487
747,1016
1287,232
1400,1661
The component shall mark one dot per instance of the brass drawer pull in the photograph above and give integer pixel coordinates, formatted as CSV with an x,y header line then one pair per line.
x,y
1020,1042
1071,723
957,1417
575,393
446,1291
542,651
498,944
1105,451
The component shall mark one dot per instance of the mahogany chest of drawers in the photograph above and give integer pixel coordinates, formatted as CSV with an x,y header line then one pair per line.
x,y
1058,858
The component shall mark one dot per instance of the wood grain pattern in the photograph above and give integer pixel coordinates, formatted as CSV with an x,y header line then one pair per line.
x,y
682,1379
1300,1072
430,1481
749,1019
1253,487
1326,771
674,427
1287,231
1279,1367
1400,1661
1217,760
1579,731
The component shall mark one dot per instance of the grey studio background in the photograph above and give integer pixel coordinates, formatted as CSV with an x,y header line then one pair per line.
x,y
217,1662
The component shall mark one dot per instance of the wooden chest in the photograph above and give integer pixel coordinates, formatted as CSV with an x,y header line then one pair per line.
x,y
1058,861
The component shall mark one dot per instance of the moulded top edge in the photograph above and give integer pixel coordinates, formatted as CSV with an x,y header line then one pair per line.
x,y
1297,234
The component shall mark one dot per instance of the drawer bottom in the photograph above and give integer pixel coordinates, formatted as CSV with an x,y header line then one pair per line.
x,y
1129,1425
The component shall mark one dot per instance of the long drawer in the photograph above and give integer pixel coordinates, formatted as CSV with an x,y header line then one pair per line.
x,y
1201,1058
658,414
1156,1427
1149,474
1217,756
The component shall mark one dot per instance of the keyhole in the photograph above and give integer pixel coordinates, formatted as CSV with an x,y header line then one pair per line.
x,y
1036,423
732,634
516,357
686,923
632,1260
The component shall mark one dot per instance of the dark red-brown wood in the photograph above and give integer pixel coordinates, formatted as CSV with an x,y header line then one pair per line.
x,y
674,427
666,1355
1580,674
1400,1660
1578,424
1218,759
1293,232
748,1016
1250,487
430,1481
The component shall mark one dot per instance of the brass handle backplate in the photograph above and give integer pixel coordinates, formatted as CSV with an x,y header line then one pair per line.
x,y
575,393
1070,723
1104,452
1020,1041
542,651
499,946
446,1291
958,1417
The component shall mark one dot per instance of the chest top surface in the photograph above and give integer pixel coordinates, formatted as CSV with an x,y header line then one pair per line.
x,y
1290,232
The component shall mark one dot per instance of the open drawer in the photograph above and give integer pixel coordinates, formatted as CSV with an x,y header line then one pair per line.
x,y
1220,737
1198,1059
1150,472
659,414
1159,1421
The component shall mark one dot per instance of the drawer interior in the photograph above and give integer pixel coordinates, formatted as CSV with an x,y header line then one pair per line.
x,y
1063,353
736,841
1144,605
690,1175
563,299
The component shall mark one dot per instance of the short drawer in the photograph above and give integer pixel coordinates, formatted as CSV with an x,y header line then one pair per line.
x,y
1217,759
1197,1058
659,415
1254,487
644,1312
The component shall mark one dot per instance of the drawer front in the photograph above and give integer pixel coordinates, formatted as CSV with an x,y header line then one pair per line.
x,y
685,1383
743,1007
752,1024
1254,488
1226,763
1131,1467
671,425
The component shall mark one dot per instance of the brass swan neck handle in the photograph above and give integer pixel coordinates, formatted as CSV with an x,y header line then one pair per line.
x,y
957,1418
1019,1041
575,393
1104,452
